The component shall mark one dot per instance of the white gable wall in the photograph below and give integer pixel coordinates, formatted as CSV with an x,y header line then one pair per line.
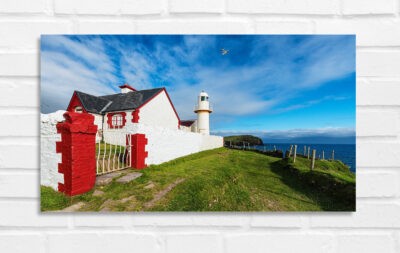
x,y
159,112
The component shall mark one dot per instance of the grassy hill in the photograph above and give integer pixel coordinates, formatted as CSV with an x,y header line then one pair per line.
x,y
224,180
239,139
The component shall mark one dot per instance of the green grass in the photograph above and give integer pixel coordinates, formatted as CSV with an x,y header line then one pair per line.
x,y
227,180
105,148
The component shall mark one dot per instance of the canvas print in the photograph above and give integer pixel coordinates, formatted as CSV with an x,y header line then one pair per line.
x,y
211,123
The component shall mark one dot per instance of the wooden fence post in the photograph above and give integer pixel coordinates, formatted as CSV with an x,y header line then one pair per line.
x,y
333,155
274,148
294,154
308,154
313,159
323,155
305,148
290,151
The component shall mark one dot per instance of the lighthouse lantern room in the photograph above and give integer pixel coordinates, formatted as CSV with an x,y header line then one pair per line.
x,y
203,110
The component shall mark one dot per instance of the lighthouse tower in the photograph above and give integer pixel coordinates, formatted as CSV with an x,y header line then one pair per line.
x,y
203,110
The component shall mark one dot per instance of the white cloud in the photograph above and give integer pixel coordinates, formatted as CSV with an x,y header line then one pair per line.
x,y
296,133
86,65
62,73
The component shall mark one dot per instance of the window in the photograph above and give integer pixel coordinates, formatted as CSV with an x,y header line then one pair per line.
x,y
116,120
78,109
203,98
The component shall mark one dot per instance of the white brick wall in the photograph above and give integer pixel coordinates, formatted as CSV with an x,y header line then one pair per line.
x,y
375,227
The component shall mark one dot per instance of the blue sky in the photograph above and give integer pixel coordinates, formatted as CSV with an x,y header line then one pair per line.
x,y
268,85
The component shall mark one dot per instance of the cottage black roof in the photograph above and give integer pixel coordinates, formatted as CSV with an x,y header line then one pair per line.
x,y
116,102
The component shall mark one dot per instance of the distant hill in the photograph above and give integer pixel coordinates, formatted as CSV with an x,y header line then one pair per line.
x,y
239,139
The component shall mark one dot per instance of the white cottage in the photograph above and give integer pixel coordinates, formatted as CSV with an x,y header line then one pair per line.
x,y
150,107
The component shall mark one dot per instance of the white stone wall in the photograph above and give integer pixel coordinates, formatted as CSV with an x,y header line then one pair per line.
x,y
49,159
166,144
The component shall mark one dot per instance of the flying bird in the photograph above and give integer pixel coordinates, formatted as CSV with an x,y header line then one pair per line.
x,y
224,51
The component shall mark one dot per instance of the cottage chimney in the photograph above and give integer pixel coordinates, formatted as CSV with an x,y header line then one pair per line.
x,y
126,88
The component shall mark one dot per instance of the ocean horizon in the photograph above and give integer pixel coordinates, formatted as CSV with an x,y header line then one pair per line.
x,y
343,152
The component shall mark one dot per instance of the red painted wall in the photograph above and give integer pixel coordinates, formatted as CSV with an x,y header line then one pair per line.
x,y
78,153
138,152
135,116
74,102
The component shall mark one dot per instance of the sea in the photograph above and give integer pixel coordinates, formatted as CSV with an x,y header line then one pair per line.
x,y
343,152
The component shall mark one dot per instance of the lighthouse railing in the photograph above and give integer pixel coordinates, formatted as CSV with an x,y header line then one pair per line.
x,y
203,107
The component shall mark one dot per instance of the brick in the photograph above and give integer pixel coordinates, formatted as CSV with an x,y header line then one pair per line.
x,y
378,154
199,27
193,243
377,123
374,32
317,7
284,27
365,243
102,242
19,185
111,220
87,7
351,7
378,92
22,6
202,6
15,124
106,27
279,243
19,156
142,7
277,220
28,93
378,63
221,220
26,34
368,215
27,214
22,242
152,219
96,7
28,64
377,184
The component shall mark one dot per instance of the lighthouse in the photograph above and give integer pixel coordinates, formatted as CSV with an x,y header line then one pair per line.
x,y
203,110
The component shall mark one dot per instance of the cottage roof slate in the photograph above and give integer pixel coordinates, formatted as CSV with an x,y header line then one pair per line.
x,y
116,102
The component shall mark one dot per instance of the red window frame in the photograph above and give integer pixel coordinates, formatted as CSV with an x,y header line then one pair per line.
x,y
110,120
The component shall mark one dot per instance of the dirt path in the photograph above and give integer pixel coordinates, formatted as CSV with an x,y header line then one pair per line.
x,y
159,195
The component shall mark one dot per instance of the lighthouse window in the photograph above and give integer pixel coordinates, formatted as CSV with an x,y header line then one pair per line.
x,y
203,98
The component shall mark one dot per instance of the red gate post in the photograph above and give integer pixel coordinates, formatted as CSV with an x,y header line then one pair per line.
x,y
78,153
138,152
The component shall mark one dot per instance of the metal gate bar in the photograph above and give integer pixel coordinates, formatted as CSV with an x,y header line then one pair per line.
x,y
113,153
